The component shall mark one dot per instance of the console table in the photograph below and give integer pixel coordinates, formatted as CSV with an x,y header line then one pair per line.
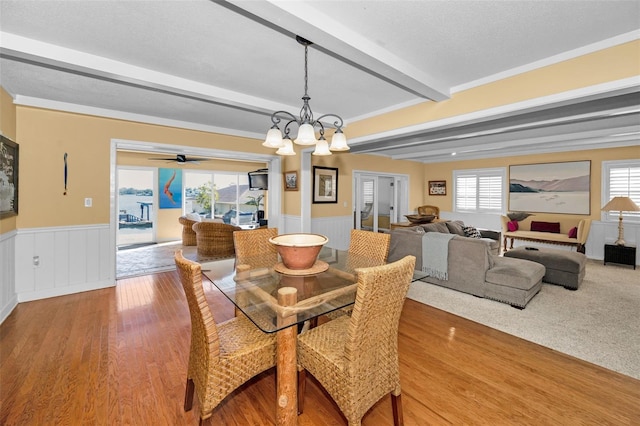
x,y
624,255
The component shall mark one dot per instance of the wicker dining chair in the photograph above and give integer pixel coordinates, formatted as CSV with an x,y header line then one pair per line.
x,y
214,239
223,356
434,210
355,358
253,248
369,249
188,234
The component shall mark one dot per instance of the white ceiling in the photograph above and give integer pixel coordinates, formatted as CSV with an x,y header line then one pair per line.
x,y
226,66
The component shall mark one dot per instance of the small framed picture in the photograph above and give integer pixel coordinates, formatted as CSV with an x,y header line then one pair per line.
x,y
325,184
291,181
437,187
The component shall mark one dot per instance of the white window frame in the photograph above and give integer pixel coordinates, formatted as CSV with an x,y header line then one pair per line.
x,y
607,166
499,171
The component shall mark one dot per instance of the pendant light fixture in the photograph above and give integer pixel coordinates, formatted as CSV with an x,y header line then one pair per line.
x,y
306,124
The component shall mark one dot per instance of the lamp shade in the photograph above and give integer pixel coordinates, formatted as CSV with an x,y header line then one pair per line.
x,y
273,139
322,147
339,141
621,204
306,135
286,148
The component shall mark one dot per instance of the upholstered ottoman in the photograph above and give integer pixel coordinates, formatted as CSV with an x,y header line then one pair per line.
x,y
513,281
565,268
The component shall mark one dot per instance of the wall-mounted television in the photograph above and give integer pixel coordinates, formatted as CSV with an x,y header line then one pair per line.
x,y
259,180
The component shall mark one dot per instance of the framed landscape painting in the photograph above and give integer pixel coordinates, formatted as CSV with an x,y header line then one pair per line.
x,y
8,177
551,187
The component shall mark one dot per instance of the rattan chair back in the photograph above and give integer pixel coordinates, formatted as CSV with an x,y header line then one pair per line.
x,y
253,248
214,239
221,357
356,358
373,245
188,234
434,210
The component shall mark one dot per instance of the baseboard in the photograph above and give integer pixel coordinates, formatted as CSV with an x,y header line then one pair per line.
x,y
63,291
8,308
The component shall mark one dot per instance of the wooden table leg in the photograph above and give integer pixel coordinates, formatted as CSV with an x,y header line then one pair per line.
x,y
287,395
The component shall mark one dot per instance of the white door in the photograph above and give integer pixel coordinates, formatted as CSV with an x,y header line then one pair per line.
x,y
379,200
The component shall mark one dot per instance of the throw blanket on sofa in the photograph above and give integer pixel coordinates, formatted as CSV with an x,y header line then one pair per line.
x,y
435,254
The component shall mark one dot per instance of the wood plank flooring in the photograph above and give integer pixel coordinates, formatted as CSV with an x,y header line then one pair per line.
x,y
119,356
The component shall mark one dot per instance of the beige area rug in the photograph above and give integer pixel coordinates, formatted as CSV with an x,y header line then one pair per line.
x,y
598,323
153,258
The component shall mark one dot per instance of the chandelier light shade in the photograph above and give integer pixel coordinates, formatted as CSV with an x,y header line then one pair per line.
x,y
621,204
306,124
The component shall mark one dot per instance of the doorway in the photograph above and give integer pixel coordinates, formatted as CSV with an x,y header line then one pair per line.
x,y
379,200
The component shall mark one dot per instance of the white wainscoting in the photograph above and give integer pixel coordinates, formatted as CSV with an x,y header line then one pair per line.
x,y
8,296
336,228
71,260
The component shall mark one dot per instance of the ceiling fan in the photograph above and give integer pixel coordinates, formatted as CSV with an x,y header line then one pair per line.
x,y
181,158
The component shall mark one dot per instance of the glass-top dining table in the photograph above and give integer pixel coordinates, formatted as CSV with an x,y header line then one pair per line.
x,y
276,300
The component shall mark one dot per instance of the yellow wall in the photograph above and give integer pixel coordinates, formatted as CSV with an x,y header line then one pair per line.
x,y
45,136
444,171
8,129
347,163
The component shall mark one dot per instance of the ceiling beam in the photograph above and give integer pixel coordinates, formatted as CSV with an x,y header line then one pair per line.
x,y
72,61
338,40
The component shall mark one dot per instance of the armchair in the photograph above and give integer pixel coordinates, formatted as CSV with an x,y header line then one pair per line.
x,y
214,239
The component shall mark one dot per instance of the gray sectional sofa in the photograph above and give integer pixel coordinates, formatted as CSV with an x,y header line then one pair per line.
x,y
473,265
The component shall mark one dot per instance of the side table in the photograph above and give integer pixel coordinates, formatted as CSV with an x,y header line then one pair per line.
x,y
624,255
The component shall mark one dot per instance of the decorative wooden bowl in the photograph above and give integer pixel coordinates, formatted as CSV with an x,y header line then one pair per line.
x,y
299,251
419,218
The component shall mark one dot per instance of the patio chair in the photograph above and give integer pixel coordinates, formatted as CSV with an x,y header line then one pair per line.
x,y
214,239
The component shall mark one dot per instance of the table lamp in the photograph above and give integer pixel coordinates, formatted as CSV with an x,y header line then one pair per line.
x,y
620,204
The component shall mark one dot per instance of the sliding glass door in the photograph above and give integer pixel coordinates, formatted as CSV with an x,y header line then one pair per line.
x,y
136,215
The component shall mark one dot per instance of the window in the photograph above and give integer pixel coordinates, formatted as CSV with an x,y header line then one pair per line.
x,y
479,191
621,179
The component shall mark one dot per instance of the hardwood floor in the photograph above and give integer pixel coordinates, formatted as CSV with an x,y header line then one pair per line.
x,y
119,356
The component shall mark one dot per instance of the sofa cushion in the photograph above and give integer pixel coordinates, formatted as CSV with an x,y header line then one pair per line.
x,y
455,227
471,232
553,227
436,227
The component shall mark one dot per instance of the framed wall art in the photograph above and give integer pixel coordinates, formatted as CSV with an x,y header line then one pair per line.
x,y
9,153
325,184
551,187
437,187
170,196
291,181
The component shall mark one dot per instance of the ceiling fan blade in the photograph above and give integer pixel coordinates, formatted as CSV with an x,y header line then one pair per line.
x,y
182,158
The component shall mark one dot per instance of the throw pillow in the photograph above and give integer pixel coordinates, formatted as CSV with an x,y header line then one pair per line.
x,y
455,227
471,232
512,226
518,216
573,232
419,230
553,227
194,216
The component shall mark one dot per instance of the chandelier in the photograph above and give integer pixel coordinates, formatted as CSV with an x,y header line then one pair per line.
x,y
306,124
